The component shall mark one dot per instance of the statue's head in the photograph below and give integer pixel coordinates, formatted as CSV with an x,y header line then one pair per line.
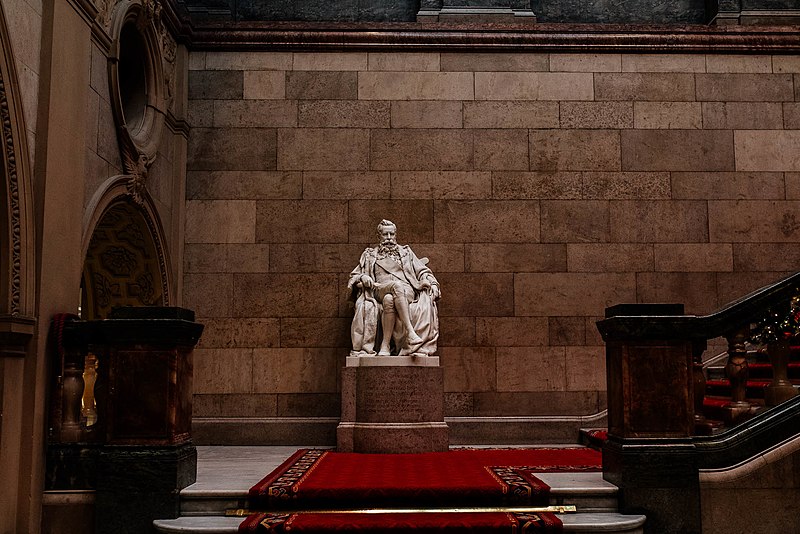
x,y
387,232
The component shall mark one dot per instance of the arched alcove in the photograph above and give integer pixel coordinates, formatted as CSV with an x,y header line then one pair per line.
x,y
125,260
121,267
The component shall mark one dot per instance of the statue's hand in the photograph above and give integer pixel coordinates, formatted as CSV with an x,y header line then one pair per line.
x,y
366,282
431,288
435,292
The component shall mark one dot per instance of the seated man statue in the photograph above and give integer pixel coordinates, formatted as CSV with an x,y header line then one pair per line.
x,y
395,294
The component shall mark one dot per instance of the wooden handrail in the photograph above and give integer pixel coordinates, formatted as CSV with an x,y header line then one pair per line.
x,y
652,453
644,341
730,317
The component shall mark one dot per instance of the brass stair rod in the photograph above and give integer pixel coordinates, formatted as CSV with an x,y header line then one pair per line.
x,y
240,512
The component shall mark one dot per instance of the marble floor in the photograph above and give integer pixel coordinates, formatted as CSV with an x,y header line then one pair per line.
x,y
235,469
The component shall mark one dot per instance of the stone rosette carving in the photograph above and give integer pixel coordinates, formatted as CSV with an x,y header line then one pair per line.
x,y
119,261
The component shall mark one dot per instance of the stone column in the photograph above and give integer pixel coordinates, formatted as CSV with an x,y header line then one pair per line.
x,y
15,335
392,404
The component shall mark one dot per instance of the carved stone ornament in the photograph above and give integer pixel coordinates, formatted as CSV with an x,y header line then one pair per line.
x,y
18,251
13,199
137,176
169,51
105,8
151,14
395,297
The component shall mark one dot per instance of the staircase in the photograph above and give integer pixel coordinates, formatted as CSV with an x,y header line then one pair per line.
x,y
718,391
224,474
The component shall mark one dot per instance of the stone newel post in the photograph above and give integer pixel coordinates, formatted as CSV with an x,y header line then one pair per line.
x,y
649,455
144,413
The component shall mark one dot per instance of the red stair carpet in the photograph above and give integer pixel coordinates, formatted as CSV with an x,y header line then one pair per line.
x,y
416,523
325,480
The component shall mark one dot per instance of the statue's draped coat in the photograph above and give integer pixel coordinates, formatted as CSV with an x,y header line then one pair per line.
x,y
366,326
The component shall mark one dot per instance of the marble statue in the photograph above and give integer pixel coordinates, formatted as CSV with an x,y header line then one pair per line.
x,y
395,300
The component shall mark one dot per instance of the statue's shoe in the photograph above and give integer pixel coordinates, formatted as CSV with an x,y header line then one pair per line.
x,y
414,340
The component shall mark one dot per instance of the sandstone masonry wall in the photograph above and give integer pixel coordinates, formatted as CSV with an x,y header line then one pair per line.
x,y
543,188
24,20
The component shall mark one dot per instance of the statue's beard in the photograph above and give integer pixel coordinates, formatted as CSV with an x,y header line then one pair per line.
x,y
389,249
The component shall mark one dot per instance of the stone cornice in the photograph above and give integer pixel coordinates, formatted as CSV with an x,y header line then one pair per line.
x,y
592,38
179,26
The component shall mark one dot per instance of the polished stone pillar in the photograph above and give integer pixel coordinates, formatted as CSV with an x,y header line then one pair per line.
x,y
649,454
144,410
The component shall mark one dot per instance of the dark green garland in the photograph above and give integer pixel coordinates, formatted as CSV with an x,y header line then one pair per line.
x,y
778,325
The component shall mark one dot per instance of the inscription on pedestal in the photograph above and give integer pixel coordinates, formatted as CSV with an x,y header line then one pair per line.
x,y
392,409
396,398
399,394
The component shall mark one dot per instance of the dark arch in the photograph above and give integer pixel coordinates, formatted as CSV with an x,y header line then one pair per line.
x,y
125,257
121,266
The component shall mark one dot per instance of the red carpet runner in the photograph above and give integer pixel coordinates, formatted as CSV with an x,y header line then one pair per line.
x,y
326,480
421,523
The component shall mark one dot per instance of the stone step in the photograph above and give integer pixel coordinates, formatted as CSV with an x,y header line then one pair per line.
x,y
586,522
587,491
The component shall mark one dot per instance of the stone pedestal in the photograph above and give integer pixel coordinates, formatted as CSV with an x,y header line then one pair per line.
x,y
392,404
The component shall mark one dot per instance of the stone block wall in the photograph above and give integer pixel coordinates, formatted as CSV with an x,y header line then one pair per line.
x,y
24,20
543,188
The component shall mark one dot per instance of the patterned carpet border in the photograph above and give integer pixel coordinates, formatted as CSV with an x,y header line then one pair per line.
x,y
331,522
292,486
